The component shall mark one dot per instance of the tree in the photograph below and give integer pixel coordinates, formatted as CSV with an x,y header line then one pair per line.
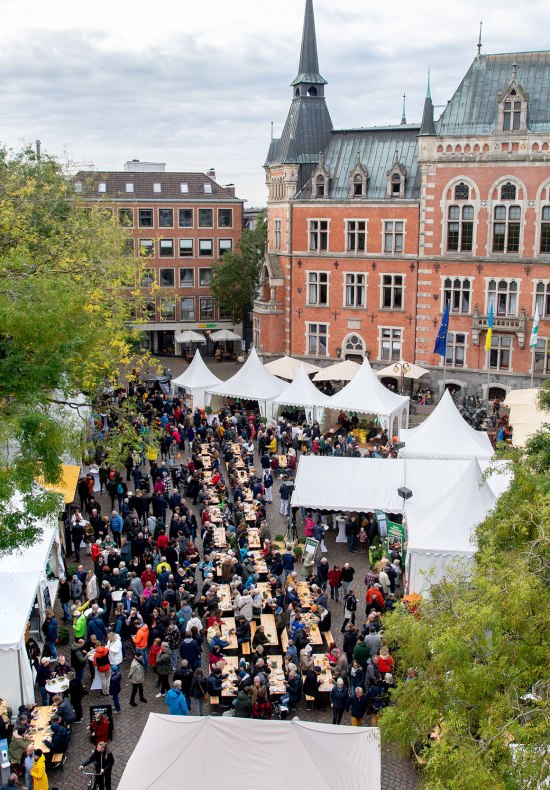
x,y
65,279
480,650
235,275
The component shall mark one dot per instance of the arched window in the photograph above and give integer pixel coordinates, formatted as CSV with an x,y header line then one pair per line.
x,y
462,191
357,186
353,346
508,191
396,185
503,297
312,91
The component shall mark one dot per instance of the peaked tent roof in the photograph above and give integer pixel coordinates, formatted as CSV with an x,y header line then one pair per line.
x,y
446,525
340,371
287,367
366,394
197,375
252,382
302,392
330,756
445,434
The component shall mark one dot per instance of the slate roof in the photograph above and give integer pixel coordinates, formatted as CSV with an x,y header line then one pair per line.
x,y
143,186
306,133
473,108
376,148
308,70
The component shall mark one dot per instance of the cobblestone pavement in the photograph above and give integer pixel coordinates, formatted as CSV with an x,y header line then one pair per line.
x,y
397,772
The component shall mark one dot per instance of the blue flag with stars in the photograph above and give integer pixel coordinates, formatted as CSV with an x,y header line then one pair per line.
x,y
441,339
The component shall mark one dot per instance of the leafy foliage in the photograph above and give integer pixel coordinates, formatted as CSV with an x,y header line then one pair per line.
x,y
235,276
65,279
480,650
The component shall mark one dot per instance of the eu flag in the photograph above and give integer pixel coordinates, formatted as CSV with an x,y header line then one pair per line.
x,y
441,339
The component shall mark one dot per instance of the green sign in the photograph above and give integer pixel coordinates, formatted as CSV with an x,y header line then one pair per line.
x,y
396,539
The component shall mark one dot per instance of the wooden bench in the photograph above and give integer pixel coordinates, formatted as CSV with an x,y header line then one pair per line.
x,y
253,626
245,648
284,640
58,761
328,637
214,705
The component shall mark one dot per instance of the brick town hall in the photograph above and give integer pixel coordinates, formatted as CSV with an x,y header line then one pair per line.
x,y
373,230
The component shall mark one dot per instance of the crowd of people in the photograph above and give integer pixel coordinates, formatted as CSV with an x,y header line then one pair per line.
x,y
172,560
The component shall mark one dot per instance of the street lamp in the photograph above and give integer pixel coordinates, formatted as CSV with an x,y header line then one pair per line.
x,y
402,368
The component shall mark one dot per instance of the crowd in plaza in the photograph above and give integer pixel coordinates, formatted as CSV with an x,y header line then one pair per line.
x,y
184,579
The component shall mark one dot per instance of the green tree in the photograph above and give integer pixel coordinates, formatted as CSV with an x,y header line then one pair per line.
x,y
235,275
480,650
65,283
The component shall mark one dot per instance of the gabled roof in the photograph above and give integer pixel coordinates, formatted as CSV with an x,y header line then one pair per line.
x,y
473,108
375,148
143,183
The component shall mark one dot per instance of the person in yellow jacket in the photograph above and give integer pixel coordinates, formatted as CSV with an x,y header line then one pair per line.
x,y
38,771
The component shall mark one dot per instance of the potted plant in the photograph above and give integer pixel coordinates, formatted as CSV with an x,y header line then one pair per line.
x,y
62,635
298,553
208,409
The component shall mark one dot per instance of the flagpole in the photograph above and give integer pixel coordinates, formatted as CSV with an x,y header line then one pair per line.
x,y
532,365
533,341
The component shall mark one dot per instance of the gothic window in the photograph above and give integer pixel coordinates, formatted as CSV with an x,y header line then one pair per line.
x,y
460,228
462,191
320,186
312,91
508,191
457,293
512,116
545,230
357,186
502,296
506,228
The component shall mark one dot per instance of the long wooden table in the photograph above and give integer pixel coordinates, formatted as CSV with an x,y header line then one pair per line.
x,y
253,537
41,726
268,622
219,533
304,593
327,680
229,625
224,595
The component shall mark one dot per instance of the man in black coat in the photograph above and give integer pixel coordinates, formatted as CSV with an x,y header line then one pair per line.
x,y
311,687
103,761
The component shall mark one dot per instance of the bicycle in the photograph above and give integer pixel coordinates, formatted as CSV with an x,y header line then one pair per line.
x,y
92,781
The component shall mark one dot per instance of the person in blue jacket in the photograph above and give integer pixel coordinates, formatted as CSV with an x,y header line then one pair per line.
x,y
175,699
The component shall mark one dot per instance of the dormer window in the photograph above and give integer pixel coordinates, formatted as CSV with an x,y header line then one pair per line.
x,y
358,179
396,180
357,186
512,105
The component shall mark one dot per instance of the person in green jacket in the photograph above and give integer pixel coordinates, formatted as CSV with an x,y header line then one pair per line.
x,y
243,705
80,626
164,667
361,653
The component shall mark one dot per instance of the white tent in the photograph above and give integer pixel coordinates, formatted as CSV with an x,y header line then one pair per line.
x,y
340,371
195,380
303,393
445,434
441,531
205,753
251,382
22,582
365,484
365,394
287,367
411,371
525,416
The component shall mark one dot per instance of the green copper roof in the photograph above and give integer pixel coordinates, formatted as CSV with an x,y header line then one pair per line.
x,y
473,108
308,70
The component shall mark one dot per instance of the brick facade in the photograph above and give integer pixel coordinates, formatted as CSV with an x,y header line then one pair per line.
x,y
487,241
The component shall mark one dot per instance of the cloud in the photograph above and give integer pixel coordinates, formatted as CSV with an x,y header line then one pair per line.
x,y
197,85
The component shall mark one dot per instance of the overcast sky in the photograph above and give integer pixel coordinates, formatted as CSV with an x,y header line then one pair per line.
x,y
197,84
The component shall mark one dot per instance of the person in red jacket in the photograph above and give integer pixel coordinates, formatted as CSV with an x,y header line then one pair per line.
x,y
385,662
148,575
103,666
374,598
334,582
99,729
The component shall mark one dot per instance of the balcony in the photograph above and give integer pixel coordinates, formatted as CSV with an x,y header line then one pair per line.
x,y
268,308
501,325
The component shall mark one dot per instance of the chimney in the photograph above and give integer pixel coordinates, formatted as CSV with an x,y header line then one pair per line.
x,y
211,173
230,188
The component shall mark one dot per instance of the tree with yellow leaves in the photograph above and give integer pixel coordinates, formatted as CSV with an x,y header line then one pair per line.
x,y
66,284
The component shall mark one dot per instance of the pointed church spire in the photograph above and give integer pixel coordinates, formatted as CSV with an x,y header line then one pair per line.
x,y
308,70
404,113
428,125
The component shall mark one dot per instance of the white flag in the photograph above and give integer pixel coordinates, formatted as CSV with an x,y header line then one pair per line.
x,y
535,329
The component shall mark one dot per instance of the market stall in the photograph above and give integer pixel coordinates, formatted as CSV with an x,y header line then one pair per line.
x,y
302,393
195,380
252,382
